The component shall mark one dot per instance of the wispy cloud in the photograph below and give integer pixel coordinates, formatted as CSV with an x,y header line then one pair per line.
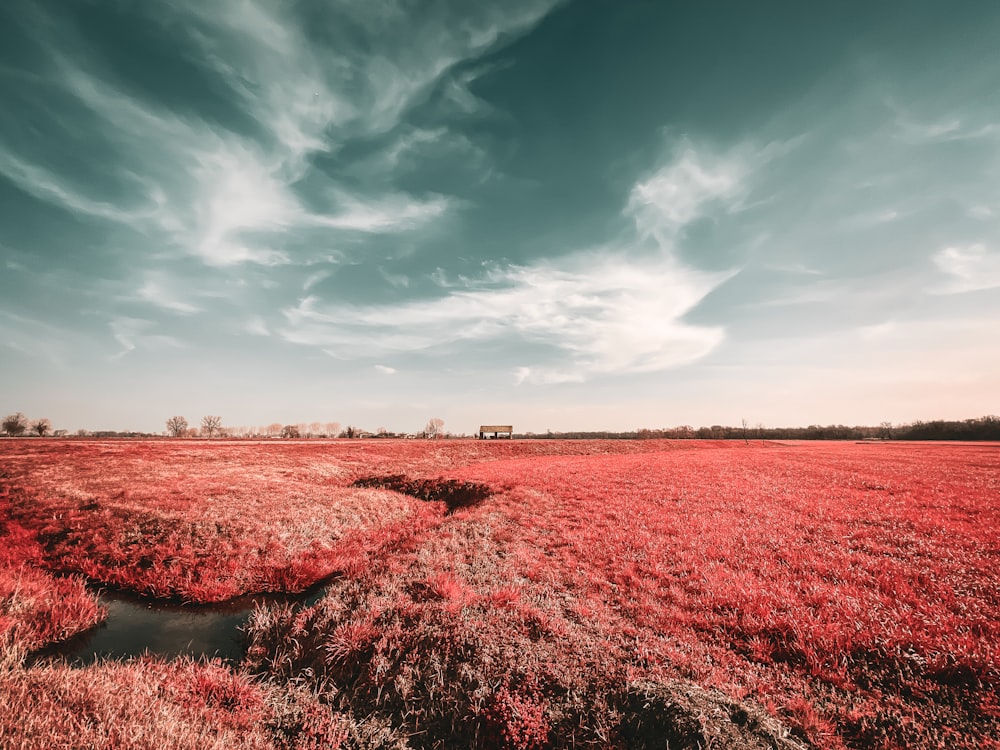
x,y
256,327
134,333
942,131
228,197
387,214
678,193
970,268
33,338
612,310
51,187
156,290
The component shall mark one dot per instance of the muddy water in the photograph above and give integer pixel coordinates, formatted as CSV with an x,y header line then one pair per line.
x,y
136,626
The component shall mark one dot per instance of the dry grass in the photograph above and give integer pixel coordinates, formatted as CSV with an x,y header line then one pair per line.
x,y
145,703
849,592
705,590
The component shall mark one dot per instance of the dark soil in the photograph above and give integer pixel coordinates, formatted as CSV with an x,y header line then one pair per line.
x,y
683,716
453,493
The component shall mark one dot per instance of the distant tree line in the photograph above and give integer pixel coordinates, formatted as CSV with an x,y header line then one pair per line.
x,y
211,426
982,428
16,425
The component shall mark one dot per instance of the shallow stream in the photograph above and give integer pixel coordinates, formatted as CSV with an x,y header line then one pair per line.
x,y
137,626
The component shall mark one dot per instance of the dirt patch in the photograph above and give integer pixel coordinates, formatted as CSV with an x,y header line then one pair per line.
x,y
682,716
454,493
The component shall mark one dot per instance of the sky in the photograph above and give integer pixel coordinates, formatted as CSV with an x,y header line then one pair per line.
x,y
580,215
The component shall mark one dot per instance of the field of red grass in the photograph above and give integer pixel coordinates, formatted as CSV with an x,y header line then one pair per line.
x,y
531,594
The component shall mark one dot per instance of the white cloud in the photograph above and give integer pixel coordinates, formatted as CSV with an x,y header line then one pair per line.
x,y
315,278
971,268
605,313
256,327
227,198
921,132
156,290
545,376
867,219
389,213
132,333
385,369
615,310
878,331
678,193
36,338
52,188
914,129
397,280
806,293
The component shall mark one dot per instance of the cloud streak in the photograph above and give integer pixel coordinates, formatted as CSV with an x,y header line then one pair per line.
x,y
676,195
606,311
971,268
135,333
227,196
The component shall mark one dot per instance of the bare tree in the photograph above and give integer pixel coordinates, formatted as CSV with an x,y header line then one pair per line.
x,y
15,424
211,425
315,428
291,431
435,427
41,426
273,429
350,431
177,426
332,428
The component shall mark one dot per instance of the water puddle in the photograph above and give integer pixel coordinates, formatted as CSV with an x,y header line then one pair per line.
x,y
137,626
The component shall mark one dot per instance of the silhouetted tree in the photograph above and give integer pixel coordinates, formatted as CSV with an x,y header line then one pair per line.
x,y
15,424
211,425
177,426
435,427
291,431
41,426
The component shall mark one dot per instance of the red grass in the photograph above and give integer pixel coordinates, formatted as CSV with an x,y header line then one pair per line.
x,y
852,584
146,703
849,589
198,523
36,608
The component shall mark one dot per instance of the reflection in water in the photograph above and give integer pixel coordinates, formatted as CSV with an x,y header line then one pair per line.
x,y
136,626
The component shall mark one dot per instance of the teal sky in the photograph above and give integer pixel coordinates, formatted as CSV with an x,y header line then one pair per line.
x,y
579,215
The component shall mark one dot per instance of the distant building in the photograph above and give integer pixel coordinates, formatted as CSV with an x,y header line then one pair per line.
x,y
496,432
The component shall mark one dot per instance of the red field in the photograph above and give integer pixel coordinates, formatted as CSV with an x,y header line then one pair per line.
x,y
532,594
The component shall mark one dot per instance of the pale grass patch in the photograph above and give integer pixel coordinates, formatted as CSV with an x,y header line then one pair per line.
x,y
37,608
146,703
